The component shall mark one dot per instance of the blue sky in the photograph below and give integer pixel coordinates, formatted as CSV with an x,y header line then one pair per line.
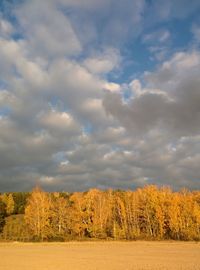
x,y
99,94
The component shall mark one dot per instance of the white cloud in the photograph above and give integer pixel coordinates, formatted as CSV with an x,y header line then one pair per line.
x,y
160,36
136,87
6,98
48,32
166,10
57,122
93,104
158,43
181,67
104,63
6,28
196,33
183,61
112,87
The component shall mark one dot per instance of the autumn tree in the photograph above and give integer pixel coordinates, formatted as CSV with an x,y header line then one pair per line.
x,y
2,214
151,212
7,198
77,215
131,202
10,205
16,229
38,214
59,214
148,213
196,213
119,212
97,212
20,199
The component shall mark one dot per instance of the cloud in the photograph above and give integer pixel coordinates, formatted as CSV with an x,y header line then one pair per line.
x,y
179,9
46,36
158,36
106,23
158,43
196,32
113,87
166,115
103,64
73,116
6,28
59,123
174,109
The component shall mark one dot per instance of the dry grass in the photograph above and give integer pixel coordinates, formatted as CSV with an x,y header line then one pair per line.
x,y
100,255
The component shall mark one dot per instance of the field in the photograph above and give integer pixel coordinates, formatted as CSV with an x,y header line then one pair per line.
x,y
100,255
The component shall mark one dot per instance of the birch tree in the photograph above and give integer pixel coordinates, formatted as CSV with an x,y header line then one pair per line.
x,y
38,214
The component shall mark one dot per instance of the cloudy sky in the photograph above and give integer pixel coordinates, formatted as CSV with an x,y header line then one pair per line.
x,y
99,93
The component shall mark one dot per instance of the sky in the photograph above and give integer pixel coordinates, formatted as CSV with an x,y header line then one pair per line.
x,y
99,94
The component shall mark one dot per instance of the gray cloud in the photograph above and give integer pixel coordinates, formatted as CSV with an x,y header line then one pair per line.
x,y
175,109
167,119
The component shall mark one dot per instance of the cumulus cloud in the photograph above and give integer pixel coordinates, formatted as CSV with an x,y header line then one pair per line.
x,y
68,121
104,63
173,106
112,87
59,123
164,116
48,32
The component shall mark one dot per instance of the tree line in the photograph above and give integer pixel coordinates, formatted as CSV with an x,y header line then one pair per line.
x,y
146,213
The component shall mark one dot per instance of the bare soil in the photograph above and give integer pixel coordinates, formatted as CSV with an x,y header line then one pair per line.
x,y
100,255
